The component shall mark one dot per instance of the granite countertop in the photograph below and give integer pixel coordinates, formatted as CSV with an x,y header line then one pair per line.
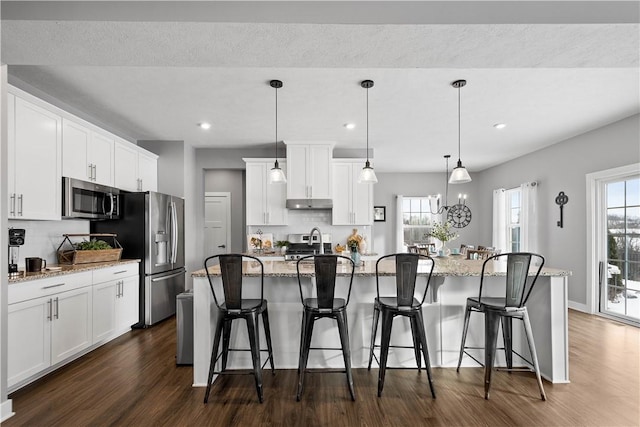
x,y
67,269
445,266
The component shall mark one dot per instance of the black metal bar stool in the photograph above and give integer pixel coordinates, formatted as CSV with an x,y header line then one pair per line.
x,y
518,286
404,304
233,307
324,304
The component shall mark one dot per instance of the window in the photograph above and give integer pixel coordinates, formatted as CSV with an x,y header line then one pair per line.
x,y
417,218
513,199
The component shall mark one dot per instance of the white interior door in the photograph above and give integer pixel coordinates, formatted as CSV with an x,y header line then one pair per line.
x,y
217,223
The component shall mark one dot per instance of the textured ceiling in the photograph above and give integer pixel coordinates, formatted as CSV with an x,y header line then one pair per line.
x,y
156,78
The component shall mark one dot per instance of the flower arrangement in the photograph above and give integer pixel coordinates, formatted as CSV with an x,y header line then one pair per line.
x,y
443,232
353,241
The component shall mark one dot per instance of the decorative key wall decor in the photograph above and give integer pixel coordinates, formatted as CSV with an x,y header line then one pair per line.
x,y
561,200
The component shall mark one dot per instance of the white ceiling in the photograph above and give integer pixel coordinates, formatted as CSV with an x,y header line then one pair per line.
x,y
153,71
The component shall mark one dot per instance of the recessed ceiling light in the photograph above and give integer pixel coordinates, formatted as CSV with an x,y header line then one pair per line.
x,y
350,125
205,125
500,125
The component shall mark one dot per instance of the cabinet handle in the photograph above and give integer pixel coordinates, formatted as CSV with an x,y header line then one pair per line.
x,y
56,315
94,172
20,204
311,191
268,218
53,286
90,171
13,204
120,272
121,288
49,309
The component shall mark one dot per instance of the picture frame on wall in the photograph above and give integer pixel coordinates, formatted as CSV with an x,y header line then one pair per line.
x,y
379,213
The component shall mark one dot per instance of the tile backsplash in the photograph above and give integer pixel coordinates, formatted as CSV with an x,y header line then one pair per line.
x,y
302,221
42,238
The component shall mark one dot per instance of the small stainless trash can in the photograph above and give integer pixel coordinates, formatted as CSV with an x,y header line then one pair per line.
x,y
184,326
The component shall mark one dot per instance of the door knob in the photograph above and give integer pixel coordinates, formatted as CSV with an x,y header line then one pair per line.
x,y
222,246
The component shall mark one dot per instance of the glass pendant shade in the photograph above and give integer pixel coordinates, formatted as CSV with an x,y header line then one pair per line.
x,y
459,175
367,175
276,175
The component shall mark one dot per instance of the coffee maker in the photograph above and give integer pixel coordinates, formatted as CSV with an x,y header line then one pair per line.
x,y
16,239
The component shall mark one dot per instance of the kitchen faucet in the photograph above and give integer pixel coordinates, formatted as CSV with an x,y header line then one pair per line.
x,y
320,235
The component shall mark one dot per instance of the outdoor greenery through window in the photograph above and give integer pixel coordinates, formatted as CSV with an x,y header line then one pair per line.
x,y
514,207
417,218
623,247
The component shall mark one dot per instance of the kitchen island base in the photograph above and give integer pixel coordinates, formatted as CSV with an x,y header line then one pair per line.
x,y
443,318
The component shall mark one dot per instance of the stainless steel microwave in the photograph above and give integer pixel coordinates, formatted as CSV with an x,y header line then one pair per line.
x,y
81,199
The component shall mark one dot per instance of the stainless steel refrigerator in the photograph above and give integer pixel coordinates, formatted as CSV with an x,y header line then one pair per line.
x,y
151,228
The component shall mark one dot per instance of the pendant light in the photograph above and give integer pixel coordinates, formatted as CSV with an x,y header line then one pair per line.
x,y
367,175
276,175
459,174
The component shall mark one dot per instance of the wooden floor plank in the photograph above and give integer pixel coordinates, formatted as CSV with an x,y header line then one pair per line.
x,y
133,381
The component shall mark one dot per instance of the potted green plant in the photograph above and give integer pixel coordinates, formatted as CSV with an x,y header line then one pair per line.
x,y
283,245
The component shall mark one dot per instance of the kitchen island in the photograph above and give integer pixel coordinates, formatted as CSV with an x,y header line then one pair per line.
x,y
454,279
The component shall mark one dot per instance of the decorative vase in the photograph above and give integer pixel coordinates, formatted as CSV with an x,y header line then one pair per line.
x,y
363,245
444,251
283,250
355,257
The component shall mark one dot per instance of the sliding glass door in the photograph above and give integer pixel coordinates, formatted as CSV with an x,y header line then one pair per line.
x,y
620,280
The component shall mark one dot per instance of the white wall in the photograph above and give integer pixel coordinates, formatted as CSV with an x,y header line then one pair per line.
x,y
562,167
423,184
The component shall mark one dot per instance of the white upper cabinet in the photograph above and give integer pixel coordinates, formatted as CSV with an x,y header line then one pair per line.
x,y
352,201
126,167
147,170
309,170
265,202
86,155
34,164
135,169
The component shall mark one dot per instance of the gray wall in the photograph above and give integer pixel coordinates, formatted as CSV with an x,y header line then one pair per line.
x,y
171,177
422,184
197,161
232,181
562,167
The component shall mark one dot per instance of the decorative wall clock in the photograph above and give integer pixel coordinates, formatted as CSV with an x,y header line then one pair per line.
x,y
459,215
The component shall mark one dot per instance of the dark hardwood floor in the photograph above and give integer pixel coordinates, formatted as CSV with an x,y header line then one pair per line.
x,y
133,381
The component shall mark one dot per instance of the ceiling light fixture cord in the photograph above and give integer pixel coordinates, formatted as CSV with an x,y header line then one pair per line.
x,y
446,184
458,124
276,124
367,126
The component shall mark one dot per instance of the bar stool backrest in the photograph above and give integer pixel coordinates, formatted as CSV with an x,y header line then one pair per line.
x,y
325,267
406,273
518,281
231,272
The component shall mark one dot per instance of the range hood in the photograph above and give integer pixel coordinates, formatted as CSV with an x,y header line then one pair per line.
x,y
309,204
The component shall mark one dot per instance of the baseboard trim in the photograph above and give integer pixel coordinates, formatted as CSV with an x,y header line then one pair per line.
x,y
6,410
579,307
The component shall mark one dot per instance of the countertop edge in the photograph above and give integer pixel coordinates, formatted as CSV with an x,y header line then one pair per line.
x,y
69,269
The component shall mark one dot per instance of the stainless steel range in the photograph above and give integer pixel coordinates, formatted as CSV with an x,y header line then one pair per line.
x,y
299,245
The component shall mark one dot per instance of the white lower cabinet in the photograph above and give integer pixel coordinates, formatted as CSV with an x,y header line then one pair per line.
x,y
71,323
44,331
115,307
29,339
54,320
